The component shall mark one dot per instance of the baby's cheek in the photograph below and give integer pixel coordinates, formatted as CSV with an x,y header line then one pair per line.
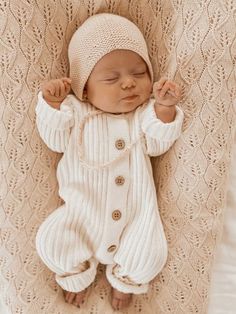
x,y
149,88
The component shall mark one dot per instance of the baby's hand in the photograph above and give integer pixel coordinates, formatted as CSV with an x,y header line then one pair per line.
x,y
166,92
55,91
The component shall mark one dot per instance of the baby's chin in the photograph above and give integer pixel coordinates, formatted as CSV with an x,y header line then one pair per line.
x,y
120,107
123,111
117,111
127,108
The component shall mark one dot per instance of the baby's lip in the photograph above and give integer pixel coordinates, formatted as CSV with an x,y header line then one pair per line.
x,y
130,97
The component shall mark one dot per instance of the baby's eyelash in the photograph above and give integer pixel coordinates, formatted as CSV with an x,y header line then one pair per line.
x,y
110,80
140,73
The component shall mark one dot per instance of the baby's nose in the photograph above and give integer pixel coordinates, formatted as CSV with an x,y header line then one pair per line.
x,y
128,82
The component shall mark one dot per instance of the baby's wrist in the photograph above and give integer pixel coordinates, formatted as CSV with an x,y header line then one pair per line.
x,y
53,104
165,113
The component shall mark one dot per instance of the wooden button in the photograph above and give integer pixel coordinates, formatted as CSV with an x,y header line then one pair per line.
x,y
120,144
120,180
111,248
116,214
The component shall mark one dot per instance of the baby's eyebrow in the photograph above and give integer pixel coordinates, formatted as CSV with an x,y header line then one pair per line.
x,y
109,69
140,62
143,66
109,72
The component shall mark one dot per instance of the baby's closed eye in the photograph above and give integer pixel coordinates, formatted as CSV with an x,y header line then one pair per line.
x,y
139,73
111,79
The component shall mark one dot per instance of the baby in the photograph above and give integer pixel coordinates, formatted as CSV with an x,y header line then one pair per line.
x,y
107,129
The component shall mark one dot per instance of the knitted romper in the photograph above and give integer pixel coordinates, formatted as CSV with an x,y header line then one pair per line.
x,y
110,214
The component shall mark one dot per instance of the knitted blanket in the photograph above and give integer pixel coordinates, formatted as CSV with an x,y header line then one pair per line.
x,y
192,42
223,284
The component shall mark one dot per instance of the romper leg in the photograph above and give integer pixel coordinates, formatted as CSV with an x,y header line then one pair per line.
x,y
141,255
63,245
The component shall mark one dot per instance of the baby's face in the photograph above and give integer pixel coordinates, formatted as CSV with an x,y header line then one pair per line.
x,y
119,82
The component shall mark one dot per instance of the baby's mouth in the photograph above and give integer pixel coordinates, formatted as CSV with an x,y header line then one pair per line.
x,y
131,97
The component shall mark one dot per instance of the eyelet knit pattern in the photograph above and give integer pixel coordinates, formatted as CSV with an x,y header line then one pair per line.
x,y
190,41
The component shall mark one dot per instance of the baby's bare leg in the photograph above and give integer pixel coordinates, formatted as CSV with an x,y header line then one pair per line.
x,y
75,298
120,300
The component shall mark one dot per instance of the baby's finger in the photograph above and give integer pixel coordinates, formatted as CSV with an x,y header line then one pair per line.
x,y
168,87
62,88
59,86
164,90
67,80
57,89
159,84
51,89
178,91
67,88
175,90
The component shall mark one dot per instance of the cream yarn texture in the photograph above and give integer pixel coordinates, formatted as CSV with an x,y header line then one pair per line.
x,y
192,42
104,33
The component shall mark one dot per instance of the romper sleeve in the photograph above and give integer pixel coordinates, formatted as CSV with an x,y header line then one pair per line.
x,y
159,136
54,125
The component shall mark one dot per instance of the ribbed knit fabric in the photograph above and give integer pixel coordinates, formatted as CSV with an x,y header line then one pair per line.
x,y
84,229
193,42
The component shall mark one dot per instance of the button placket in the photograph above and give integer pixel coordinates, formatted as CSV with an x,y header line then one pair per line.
x,y
118,184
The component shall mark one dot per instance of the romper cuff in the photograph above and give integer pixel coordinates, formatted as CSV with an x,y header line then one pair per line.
x,y
156,129
57,119
77,282
124,286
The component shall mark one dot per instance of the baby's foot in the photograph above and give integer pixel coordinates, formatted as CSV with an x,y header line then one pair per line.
x,y
75,298
120,300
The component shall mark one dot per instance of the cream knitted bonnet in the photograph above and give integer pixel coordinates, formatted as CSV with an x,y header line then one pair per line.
x,y
97,36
